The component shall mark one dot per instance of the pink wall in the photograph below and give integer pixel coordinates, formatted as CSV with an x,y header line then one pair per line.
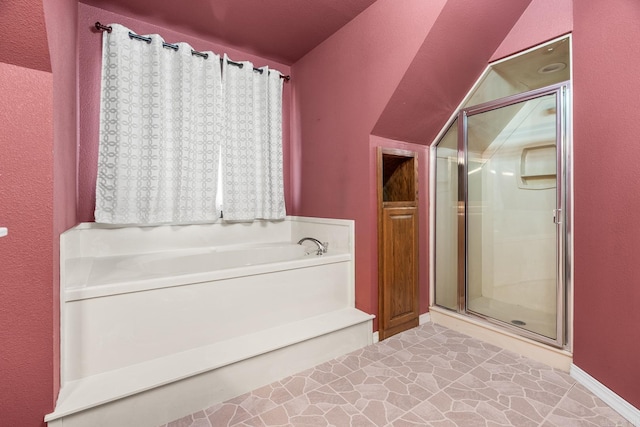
x,y
607,226
90,57
38,114
26,293
340,90
24,41
538,24
606,229
62,28
450,60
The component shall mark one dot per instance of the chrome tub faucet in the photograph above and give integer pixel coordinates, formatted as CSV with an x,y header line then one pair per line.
x,y
322,247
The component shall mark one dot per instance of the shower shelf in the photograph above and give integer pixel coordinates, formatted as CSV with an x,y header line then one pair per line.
x,y
538,167
539,176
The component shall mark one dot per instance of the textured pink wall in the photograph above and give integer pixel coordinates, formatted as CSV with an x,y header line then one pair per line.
x,y
26,294
451,58
23,41
62,28
541,21
607,184
90,57
340,90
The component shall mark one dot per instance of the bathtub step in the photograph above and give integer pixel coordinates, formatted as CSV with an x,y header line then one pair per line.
x,y
101,389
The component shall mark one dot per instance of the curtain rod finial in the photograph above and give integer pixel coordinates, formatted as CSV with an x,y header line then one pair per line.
x,y
101,27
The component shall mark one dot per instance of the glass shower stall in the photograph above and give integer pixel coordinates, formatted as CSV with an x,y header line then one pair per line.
x,y
502,220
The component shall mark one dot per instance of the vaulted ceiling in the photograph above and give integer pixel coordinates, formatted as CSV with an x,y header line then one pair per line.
x,y
282,30
452,56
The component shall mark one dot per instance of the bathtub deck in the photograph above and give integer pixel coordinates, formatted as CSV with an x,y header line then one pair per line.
x,y
165,320
98,390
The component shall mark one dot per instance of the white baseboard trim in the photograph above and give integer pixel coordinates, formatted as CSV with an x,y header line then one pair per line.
x,y
424,318
376,337
609,397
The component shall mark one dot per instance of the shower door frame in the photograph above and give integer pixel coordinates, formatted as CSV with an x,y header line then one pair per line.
x,y
561,215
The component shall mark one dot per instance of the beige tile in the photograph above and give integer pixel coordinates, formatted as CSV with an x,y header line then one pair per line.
x,y
228,415
517,419
275,417
466,418
381,413
325,395
299,385
530,409
337,416
582,405
428,376
430,411
201,422
403,401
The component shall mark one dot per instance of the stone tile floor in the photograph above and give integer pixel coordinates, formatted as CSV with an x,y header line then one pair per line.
x,y
427,376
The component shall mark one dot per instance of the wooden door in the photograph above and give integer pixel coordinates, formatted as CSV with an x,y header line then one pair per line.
x,y
399,271
398,308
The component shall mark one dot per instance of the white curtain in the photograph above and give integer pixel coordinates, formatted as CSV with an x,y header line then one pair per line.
x,y
160,127
252,172
165,116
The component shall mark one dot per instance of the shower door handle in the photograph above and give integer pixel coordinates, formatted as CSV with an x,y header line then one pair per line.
x,y
557,216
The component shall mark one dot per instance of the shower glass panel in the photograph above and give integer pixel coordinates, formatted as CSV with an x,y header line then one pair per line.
x,y
511,202
446,235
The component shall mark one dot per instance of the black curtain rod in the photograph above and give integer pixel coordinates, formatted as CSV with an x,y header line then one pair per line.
x,y
108,29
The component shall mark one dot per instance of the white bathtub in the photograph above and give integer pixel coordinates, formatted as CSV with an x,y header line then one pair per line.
x,y
205,311
90,277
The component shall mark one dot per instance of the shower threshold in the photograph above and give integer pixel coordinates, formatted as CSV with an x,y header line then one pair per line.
x,y
536,321
482,329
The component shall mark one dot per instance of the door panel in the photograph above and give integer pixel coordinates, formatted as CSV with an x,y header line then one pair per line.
x,y
399,309
446,231
511,199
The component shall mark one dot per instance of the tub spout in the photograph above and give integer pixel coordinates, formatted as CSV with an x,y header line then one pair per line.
x,y
322,247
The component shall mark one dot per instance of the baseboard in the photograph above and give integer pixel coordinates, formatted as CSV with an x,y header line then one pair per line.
x,y
424,318
376,337
617,403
